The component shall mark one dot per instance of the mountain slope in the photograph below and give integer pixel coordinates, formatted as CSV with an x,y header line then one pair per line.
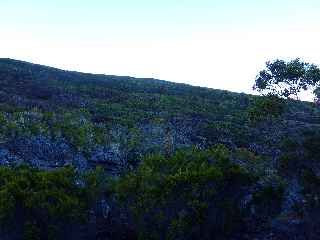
x,y
112,120
265,173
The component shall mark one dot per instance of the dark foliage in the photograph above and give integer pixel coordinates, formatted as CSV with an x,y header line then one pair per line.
x,y
287,79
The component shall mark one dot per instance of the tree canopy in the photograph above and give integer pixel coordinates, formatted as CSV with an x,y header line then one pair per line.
x,y
288,79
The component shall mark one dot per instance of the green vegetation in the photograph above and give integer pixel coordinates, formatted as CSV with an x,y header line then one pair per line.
x,y
266,108
300,153
193,194
84,108
287,79
75,126
169,197
42,204
268,200
234,181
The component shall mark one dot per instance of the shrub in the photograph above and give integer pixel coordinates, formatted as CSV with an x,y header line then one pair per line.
x,y
299,153
193,194
266,108
268,200
44,203
311,205
78,130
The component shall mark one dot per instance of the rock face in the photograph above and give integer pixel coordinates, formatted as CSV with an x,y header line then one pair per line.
x,y
47,153
42,152
111,158
8,159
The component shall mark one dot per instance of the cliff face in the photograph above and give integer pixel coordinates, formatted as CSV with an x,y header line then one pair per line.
x,y
51,118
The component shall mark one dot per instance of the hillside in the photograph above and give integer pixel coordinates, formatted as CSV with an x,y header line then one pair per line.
x,y
126,117
50,118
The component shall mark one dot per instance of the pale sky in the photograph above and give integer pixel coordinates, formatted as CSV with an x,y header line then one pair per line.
x,y
219,44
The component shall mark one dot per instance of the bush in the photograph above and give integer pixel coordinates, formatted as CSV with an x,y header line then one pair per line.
x,y
299,153
266,108
79,131
44,205
193,194
268,200
311,205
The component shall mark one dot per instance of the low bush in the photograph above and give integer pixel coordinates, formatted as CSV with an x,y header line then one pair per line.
x,y
39,204
192,195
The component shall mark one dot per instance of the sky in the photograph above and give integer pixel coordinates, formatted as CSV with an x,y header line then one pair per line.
x,y
220,44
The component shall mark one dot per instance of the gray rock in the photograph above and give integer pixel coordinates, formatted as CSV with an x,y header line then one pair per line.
x,y
45,153
109,157
8,159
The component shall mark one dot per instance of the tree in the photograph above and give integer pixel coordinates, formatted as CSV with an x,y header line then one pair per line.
x,y
317,95
288,79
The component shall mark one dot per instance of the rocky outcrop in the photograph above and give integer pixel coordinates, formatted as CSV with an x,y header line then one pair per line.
x,y
44,152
